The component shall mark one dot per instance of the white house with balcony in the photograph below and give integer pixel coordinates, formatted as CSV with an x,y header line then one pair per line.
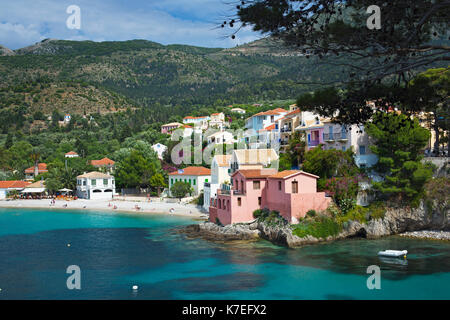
x,y
95,186
262,129
220,174
197,122
264,119
344,137
217,121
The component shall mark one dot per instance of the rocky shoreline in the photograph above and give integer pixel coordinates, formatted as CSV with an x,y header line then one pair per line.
x,y
428,234
396,221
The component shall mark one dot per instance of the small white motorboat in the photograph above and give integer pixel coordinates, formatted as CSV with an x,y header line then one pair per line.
x,y
393,253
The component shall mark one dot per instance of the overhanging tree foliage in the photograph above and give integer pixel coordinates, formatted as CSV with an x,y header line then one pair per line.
x,y
399,142
408,37
429,92
413,36
329,163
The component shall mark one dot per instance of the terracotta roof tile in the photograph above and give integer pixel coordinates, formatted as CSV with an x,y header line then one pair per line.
x,y
256,173
293,112
42,167
270,128
192,171
102,162
13,184
190,117
288,173
276,111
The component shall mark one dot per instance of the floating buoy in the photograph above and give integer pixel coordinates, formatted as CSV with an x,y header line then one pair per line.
x,y
135,287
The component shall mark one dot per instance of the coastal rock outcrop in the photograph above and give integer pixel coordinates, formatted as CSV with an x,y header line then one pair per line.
x,y
211,231
399,220
395,221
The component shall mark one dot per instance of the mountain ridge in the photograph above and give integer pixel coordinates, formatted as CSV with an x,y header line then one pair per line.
x,y
151,74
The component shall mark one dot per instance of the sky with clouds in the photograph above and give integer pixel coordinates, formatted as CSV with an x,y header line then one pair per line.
x,y
193,22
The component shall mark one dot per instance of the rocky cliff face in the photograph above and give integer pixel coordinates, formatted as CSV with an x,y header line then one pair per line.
x,y
395,221
398,220
6,51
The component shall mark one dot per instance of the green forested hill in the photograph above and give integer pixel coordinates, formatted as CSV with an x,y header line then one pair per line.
x,y
177,77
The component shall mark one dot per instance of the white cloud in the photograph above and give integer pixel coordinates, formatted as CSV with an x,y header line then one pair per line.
x,y
191,22
17,34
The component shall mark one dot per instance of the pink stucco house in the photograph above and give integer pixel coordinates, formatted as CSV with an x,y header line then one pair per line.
x,y
169,127
291,192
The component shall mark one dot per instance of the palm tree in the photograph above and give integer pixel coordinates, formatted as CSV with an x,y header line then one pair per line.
x,y
35,156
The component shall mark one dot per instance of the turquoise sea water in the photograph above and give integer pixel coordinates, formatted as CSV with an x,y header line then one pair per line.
x,y
115,252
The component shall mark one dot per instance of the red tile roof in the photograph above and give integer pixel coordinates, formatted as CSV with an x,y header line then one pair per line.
x,y
71,153
273,112
293,112
42,167
102,162
190,117
256,173
13,184
269,128
192,171
287,173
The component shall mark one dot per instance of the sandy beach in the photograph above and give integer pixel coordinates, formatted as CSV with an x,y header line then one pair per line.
x,y
146,207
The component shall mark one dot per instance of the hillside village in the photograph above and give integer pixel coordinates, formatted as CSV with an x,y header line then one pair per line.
x,y
266,167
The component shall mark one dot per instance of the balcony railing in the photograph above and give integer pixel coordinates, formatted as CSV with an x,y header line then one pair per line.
x,y
334,136
207,184
231,192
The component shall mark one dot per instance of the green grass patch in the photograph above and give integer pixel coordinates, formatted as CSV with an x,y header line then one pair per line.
x,y
358,213
377,210
322,227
